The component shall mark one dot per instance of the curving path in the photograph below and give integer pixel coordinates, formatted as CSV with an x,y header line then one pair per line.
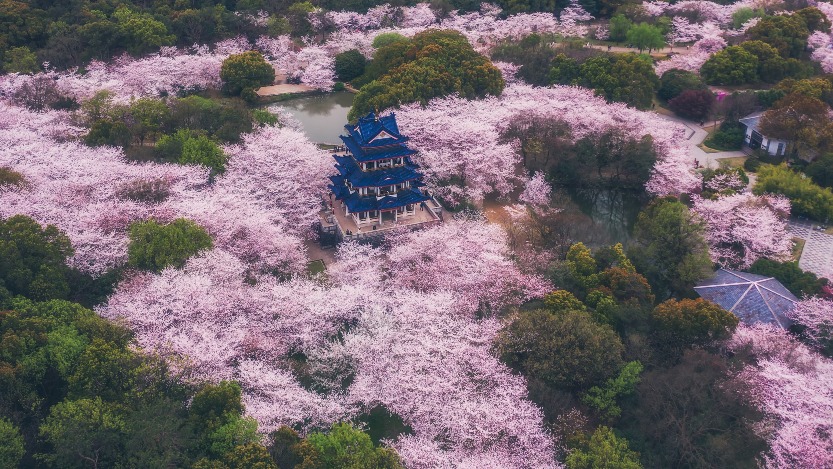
x,y
696,134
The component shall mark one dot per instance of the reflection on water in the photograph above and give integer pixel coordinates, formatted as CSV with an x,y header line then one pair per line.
x,y
322,116
614,209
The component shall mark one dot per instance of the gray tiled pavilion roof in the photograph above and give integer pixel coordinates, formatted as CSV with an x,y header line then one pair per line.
x,y
752,298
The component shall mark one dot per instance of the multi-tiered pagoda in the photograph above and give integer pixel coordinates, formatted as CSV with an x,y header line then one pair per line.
x,y
377,186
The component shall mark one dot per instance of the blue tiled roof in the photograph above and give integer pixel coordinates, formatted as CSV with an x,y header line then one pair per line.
x,y
368,127
752,298
365,154
356,203
348,169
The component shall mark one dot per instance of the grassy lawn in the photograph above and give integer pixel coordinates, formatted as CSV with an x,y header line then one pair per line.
x,y
734,162
316,267
798,247
706,148
829,231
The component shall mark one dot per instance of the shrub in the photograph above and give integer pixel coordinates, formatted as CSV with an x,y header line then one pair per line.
x,y
262,118
154,246
807,198
797,281
752,164
187,147
338,86
729,137
10,177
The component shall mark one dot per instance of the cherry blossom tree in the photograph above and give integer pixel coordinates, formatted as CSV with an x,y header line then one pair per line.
x,y
537,190
468,159
816,314
792,385
743,228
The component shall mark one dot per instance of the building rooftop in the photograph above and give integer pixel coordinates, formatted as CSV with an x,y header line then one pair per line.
x,y
350,171
752,298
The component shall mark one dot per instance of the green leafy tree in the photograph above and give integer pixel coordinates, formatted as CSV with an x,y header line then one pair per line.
x,y
533,54
434,63
817,88
249,456
733,65
582,266
619,27
566,350
627,286
604,399
771,66
83,433
201,150
673,82
147,117
20,60
565,70
686,323
345,446
282,447
807,198
103,370
604,450
814,19
645,36
787,33
33,259
693,415
11,444
669,247
744,14
233,432
215,404
562,300
107,132
155,247
246,71
627,78
384,39
800,120
140,32
349,65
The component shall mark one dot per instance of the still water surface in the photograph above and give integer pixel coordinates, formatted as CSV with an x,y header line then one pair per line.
x,y
322,117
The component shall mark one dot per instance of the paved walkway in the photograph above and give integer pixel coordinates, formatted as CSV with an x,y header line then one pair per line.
x,y
696,134
817,256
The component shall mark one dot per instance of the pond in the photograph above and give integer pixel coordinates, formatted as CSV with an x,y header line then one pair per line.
x,y
321,116
614,210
